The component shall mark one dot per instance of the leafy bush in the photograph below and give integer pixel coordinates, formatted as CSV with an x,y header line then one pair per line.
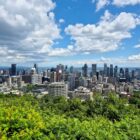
x,y
55,118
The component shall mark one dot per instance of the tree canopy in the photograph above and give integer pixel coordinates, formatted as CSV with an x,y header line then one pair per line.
x,y
55,118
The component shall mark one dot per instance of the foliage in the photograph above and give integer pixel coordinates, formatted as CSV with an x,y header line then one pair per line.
x,y
55,118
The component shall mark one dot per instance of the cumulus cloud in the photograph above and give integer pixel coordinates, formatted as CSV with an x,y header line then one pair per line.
x,y
61,20
62,51
101,3
134,57
27,28
125,2
119,3
137,46
106,35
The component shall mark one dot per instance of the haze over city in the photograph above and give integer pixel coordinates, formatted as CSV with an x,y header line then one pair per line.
x,y
71,32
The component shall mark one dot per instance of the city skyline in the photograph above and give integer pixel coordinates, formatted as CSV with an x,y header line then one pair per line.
x,y
74,32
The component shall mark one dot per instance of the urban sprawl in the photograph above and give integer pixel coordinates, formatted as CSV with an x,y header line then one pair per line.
x,y
70,82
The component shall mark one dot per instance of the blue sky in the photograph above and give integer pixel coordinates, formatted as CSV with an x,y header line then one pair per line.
x,y
71,32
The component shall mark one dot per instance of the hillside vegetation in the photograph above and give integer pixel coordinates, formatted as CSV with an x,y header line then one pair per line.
x,y
55,118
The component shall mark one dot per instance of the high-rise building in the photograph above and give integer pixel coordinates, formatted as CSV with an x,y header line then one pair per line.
x,y
100,79
9,82
71,81
53,76
13,69
85,70
116,71
133,74
58,89
108,71
36,67
71,69
127,76
111,70
83,81
105,69
122,74
94,69
59,68
59,72
36,79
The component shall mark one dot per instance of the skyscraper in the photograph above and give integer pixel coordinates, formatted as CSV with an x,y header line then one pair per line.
x,y
111,70
122,73
53,76
85,70
94,69
105,70
116,71
127,76
13,69
36,67
71,69
108,72
59,72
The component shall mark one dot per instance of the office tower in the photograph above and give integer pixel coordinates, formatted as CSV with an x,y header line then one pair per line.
x,y
71,69
58,89
122,75
66,68
133,74
36,67
100,79
137,72
94,69
71,81
94,79
85,70
116,71
59,76
13,69
127,74
83,82
53,76
77,82
44,73
65,76
101,72
111,70
105,70
59,68
59,72
9,82
36,79
108,72
97,74
33,71
19,81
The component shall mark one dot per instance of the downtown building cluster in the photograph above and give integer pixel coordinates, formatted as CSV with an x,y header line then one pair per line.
x,y
72,82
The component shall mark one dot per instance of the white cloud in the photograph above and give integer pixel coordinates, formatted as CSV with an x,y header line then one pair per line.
x,y
27,28
61,52
106,35
101,3
125,2
61,20
134,57
137,46
119,3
